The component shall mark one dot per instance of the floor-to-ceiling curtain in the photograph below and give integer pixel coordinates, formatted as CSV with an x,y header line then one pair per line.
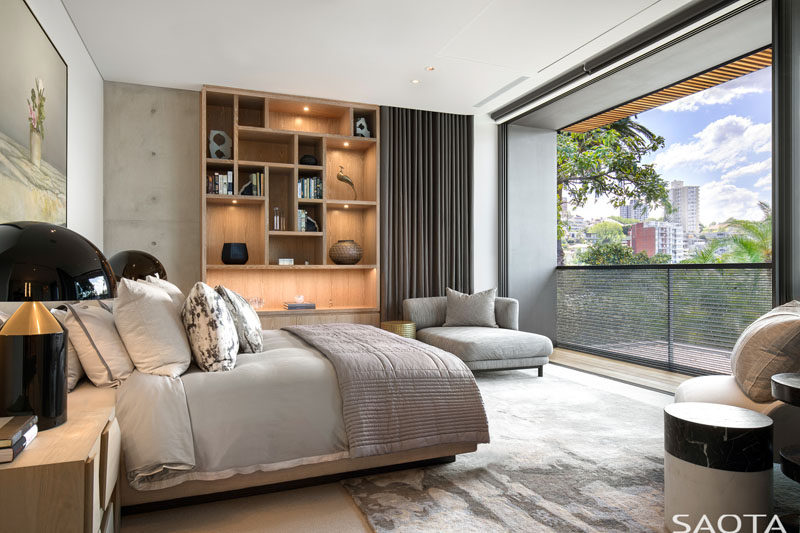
x,y
426,205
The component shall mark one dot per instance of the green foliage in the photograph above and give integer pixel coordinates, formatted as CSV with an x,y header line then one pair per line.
x,y
625,221
616,254
607,232
706,255
753,240
660,259
36,107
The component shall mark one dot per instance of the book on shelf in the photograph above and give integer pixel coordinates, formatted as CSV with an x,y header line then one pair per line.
x,y
291,306
219,182
254,186
9,453
12,428
302,219
309,187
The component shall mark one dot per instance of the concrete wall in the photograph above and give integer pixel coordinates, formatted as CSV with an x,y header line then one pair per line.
x,y
532,227
484,204
84,125
152,176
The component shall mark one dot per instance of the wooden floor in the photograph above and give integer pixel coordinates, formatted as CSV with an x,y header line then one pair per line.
x,y
652,378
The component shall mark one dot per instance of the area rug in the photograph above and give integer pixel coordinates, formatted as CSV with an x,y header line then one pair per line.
x,y
569,452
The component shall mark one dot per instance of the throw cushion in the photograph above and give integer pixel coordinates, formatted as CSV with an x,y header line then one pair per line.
x,y
470,309
768,346
174,292
211,329
248,325
151,328
74,369
99,347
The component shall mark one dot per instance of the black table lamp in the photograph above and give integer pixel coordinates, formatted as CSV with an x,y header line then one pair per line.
x,y
42,262
136,264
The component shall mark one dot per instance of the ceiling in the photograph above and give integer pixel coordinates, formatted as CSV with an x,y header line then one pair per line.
x,y
357,50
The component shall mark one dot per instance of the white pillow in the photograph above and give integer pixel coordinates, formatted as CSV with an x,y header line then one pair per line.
x,y
174,292
74,368
211,329
151,328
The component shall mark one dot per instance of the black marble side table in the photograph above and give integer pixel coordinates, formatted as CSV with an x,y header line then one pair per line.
x,y
786,388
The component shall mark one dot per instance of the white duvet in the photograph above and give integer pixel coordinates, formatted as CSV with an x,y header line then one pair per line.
x,y
278,408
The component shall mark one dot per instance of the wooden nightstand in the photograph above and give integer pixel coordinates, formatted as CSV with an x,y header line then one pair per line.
x,y
66,480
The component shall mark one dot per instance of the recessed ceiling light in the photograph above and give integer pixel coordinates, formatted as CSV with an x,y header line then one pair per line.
x,y
415,82
305,108
430,68
346,143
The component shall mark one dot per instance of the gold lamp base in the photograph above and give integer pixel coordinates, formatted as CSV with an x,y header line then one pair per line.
x,y
404,328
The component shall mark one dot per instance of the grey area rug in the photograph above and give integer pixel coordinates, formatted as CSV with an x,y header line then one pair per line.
x,y
569,452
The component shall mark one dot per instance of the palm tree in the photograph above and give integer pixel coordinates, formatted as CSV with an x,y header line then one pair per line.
x,y
706,255
753,242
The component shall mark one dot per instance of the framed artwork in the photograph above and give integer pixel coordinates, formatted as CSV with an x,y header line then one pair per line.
x,y
33,120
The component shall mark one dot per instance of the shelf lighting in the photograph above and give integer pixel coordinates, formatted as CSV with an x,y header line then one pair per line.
x,y
235,201
346,206
305,108
346,143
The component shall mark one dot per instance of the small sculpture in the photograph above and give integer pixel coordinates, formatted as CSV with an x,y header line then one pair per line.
x,y
219,150
345,179
361,128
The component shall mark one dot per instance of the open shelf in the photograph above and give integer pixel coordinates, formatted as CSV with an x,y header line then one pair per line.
x,y
242,222
219,117
259,144
359,165
287,245
357,225
297,115
252,111
292,267
281,195
352,204
234,199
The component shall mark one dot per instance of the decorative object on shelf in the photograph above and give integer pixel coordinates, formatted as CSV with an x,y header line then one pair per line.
x,y
309,159
43,262
136,264
346,252
278,220
234,253
299,299
404,328
219,144
291,306
361,127
311,224
285,261
33,182
346,179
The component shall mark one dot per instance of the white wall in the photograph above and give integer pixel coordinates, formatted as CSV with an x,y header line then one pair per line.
x,y
484,204
84,122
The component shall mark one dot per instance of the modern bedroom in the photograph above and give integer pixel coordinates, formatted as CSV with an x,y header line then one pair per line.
x,y
446,266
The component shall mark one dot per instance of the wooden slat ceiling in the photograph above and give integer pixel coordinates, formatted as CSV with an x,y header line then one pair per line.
x,y
719,75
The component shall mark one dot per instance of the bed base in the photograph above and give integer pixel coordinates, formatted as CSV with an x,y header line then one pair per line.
x,y
194,492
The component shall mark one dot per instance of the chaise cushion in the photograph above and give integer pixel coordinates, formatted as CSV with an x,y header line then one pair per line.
x,y
472,344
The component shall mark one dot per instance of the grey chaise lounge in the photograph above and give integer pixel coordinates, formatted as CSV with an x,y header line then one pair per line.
x,y
480,348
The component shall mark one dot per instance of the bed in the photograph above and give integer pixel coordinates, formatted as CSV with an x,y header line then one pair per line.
x,y
317,401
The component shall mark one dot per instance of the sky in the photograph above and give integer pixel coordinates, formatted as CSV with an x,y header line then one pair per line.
x,y
719,139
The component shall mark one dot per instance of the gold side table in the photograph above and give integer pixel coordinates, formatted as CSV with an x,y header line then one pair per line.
x,y
404,328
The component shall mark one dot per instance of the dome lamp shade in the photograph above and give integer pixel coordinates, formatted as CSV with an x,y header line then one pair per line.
x,y
136,264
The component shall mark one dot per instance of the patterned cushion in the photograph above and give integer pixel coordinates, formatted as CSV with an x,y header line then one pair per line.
x,y
768,346
248,325
471,309
211,330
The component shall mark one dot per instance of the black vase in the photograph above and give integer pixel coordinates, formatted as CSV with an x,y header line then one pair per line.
x,y
234,253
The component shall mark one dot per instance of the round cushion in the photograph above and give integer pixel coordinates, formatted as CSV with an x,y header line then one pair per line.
x,y
770,345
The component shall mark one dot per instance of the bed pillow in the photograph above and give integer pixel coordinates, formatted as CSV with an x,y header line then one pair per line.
x,y
99,347
770,345
211,329
74,369
248,325
470,309
151,328
174,292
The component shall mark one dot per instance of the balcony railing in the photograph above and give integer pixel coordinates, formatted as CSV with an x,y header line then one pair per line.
x,y
684,318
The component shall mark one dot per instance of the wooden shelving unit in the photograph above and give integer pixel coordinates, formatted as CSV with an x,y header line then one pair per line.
x,y
270,134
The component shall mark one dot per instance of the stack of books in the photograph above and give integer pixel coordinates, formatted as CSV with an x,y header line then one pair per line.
x,y
302,216
294,305
254,186
309,187
219,182
16,433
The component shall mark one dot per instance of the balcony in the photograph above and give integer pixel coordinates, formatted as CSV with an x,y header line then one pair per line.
x,y
683,318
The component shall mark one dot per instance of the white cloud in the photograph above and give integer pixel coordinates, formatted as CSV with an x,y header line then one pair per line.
x,y
764,181
720,201
725,93
752,168
721,145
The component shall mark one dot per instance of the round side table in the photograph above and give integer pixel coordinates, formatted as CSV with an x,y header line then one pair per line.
x,y
404,328
786,388
717,461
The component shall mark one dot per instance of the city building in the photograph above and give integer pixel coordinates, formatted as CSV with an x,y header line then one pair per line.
x,y
655,237
685,200
633,211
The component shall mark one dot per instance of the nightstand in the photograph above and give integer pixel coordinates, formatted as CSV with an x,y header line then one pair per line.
x,y
66,480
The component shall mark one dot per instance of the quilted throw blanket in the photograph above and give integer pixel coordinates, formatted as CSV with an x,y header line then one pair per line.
x,y
398,394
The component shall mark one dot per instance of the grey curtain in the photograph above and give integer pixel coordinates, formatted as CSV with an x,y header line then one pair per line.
x,y
426,205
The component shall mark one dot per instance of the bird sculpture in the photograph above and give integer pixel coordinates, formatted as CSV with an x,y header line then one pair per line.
x,y
346,179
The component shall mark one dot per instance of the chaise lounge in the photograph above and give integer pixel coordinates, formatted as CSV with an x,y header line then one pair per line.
x,y
481,348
